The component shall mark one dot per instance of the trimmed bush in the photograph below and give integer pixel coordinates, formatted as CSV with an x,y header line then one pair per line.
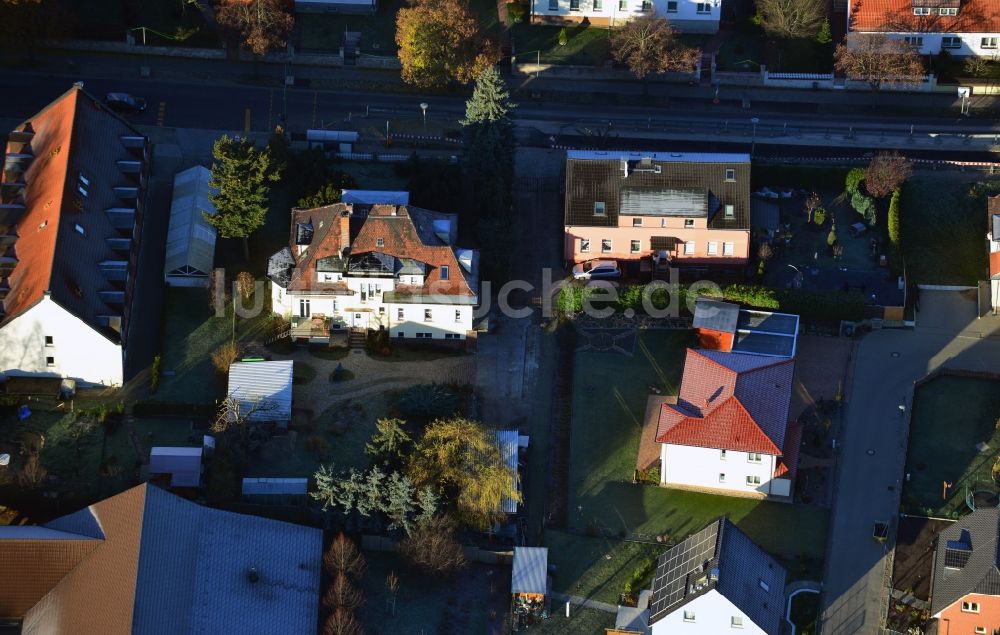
x,y
852,182
181,410
895,242
865,206
515,12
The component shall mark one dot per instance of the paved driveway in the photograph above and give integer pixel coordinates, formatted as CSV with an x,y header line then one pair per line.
x,y
873,448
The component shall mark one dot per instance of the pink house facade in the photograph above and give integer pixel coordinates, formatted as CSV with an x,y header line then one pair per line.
x,y
691,208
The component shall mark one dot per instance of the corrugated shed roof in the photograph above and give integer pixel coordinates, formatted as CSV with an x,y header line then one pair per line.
x,y
264,387
979,531
190,239
530,570
600,177
974,16
275,486
507,441
183,465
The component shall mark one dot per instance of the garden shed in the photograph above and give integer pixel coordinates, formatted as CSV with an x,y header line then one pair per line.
x,y
181,465
263,390
190,255
529,583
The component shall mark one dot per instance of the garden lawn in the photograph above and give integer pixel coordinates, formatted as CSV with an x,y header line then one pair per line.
x,y
586,46
583,566
950,416
943,222
169,22
325,32
609,401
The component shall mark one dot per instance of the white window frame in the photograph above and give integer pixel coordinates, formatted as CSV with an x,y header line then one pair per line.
x,y
49,341
722,455
663,222
50,361
458,315
445,272
671,6
729,210
600,208
688,223
689,616
970,607
703,8
689,248
728,249
736,621
606,245
623,5
637,222
722,477
428,315
915,41
980,630
948,11
921,10
635,246
584,245
400,314
713,248
598,5
753,457
951,42
574,2
988,43
730,175
380,242
753,480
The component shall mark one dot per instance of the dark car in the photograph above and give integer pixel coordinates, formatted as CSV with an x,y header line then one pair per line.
x,y
123,102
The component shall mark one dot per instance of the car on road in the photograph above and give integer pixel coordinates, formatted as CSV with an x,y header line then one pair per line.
x,y
597,270
124,102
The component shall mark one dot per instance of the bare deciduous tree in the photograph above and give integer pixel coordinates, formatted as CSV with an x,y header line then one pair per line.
x,y
432,547
342,622
764,251
650,45
392,586
342,556
245,284
789,19
886,172
224,356
263,24
811,204
235,419
342,594
878,60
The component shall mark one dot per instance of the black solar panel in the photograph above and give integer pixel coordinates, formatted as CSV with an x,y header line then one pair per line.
x,y
682,566
956,558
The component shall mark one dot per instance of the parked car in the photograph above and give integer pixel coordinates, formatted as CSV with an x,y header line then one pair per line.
x,y
124,102
597,270
857,229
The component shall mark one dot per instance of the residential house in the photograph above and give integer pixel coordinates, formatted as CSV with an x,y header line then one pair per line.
x,y
71,216
962,28
375,267
688,16
965,582
993,249
150,563
190,254
262,391
685,209
717,581
346,7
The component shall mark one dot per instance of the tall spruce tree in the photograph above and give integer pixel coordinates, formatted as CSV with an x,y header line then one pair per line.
x,y
240,173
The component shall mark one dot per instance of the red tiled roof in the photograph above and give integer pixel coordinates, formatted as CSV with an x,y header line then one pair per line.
x,y
995,264
728,426
788,464
974,16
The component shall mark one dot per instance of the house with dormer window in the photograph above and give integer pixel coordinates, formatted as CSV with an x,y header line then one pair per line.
x,y
963,28
965,584
371,266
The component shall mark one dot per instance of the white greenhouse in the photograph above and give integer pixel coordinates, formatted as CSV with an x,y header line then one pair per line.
x,y
190,239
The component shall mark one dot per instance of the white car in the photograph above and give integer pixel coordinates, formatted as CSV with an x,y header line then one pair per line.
x,y
597,270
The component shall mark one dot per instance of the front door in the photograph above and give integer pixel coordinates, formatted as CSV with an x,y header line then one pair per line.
x,y
359,320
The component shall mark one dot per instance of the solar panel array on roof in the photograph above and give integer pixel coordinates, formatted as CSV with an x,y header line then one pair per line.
x,y
684,571
715,315
956,558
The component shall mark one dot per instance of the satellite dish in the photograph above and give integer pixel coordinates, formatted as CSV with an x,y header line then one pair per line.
x,y
4,459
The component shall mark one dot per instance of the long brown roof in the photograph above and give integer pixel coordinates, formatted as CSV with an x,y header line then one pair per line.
x,y
974,16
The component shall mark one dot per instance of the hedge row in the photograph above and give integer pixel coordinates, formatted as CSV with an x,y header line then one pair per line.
x,y
812,305
181,410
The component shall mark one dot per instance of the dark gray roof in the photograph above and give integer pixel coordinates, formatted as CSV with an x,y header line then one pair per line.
x,y
966,559
720,557
715,315
279,267
764,214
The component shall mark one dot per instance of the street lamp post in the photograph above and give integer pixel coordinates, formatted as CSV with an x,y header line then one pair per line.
x,y
423,109
753,135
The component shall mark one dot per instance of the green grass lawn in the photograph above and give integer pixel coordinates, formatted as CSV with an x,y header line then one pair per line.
x,y
609,401
586,46
594,567
580,621
950,416
748,48
169,22
943,224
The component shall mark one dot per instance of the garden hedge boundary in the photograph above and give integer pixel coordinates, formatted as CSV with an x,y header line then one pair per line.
x,y
179,410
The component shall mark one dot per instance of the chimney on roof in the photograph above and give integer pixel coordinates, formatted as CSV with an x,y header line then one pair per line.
x,y
78,84
345,232
252,575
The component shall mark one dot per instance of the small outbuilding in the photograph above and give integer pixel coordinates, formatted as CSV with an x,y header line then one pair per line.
x,y
529,583
507,441
263,390
278,491
181,465
190,255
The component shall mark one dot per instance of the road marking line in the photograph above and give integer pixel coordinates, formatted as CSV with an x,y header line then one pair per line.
x,y
161,113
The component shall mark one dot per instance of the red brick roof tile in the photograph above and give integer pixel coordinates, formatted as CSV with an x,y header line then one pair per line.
x,y
788,464
728,426
974,16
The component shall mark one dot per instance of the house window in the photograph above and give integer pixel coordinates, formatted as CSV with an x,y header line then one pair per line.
x,y
948,11
599,208
623,5
636,222
50,361
688,222
598,5
730,210
916,41
458,316
764,585
553,5
736,621
689,248
968,607
921,11
451,336
988,43
584,245
730,174
399,314
728,249
445,272
713,249
951,42
663,222
400,334
647,6
688,616
304,308
427,315
753,457
381,310
380,242
722,477
671,6
753,481
574,5
48,340
635,246
79,229
980,630
605,245
704,7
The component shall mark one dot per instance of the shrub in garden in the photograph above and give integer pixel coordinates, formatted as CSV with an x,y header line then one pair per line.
x,y
895,236
563,37
864,205
515,12
852,182
819,216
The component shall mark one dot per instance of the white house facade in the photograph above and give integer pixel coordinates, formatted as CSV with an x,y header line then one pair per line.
x,y
709,614
738,473
48,340
962,28
687,16
375,267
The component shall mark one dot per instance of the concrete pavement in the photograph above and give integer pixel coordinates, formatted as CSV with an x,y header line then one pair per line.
x,y
873,449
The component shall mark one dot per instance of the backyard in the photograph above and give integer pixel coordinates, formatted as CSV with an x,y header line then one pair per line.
x,y
609,401
951,417
167,22
943,227
585,46
748,48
